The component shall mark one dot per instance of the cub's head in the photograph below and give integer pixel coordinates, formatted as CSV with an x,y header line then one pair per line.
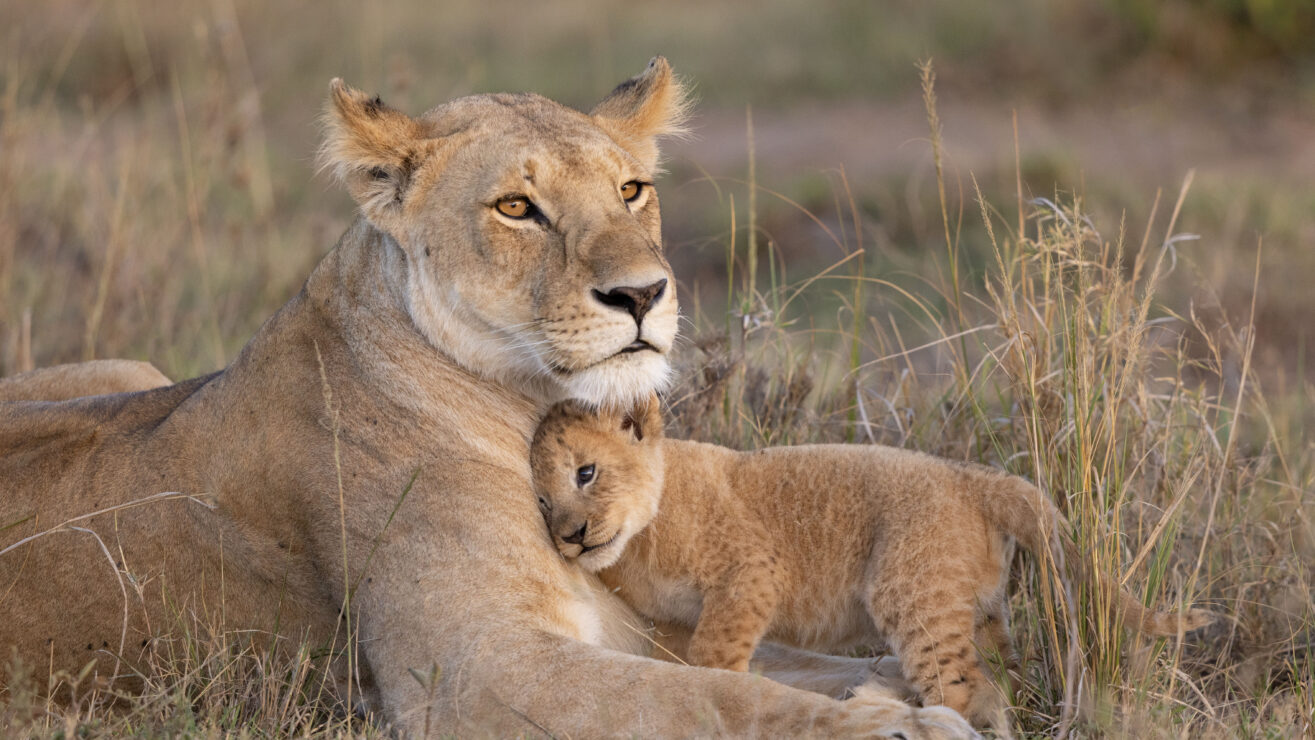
x,y
598,476
528,233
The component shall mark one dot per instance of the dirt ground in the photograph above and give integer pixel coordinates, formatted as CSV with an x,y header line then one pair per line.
x,y
1146,144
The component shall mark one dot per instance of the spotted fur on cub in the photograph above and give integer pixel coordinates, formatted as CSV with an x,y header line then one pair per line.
x,y
823,546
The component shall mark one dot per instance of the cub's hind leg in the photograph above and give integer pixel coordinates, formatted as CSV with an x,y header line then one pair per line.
x,y
991,634
923,599
992,625
991,637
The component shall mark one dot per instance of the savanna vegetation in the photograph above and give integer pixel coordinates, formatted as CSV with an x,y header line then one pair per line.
x,y
1079,249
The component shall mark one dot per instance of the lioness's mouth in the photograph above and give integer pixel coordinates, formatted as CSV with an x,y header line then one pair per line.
x,y
636,346
639,345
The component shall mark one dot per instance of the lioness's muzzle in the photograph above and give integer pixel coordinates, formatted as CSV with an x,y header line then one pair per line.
x,y
635,301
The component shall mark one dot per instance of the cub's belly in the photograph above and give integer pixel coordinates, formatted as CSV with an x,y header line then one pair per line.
x,y
825,625
676,600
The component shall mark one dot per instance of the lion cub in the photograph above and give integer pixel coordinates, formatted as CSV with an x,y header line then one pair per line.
x,y
823,546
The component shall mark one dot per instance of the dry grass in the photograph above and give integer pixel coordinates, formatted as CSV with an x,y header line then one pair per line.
x,y
1066,368
201,682
163,218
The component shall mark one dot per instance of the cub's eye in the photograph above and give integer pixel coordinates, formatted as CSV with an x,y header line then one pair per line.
x,y
516,207
584,475
543,504
631,190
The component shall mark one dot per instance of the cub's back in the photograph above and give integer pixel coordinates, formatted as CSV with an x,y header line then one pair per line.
x,y
820,492
825,508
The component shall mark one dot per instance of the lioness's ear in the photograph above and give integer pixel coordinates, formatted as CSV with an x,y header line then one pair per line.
x,y
645,421
371,148
642,109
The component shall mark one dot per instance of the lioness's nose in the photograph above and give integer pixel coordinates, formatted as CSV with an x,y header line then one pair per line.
x,y
578,537
635,301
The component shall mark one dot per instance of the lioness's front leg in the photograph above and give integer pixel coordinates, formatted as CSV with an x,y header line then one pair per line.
x,y
517,679
495,629
619,694
836,676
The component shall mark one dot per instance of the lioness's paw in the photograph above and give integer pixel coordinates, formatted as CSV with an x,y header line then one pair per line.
x,y
883,682
943,722
892,718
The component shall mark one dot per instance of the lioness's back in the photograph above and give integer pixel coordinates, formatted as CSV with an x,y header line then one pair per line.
x,y
25,424
91,378
46,447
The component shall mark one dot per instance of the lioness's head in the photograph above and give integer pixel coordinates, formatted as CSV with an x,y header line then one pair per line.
x,y
530,232
598,476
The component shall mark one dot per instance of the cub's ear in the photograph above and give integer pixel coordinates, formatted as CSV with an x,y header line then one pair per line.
x,y
645,420
372,149
650,105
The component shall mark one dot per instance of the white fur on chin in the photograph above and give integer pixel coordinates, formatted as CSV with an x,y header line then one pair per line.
x,y
620,382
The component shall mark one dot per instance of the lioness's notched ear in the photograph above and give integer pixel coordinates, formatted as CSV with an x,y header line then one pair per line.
x,y
371,148
644,108
645,420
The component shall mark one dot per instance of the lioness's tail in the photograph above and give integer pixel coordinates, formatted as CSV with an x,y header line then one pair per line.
x,y
1024,512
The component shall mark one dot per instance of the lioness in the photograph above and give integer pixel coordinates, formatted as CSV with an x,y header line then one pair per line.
x,y
823,546
365,457
91,378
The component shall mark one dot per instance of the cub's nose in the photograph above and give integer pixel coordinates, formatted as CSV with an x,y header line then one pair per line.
x,y
578,537
635,301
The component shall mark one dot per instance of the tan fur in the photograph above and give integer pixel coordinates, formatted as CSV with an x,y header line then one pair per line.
x,y
380,422
92,378
615,505
822,546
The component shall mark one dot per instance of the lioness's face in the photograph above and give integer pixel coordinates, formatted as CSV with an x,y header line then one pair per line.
x,y
598,476
554,250
531,233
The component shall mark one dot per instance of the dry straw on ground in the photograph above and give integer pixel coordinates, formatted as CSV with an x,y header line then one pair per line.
x,y
1060,362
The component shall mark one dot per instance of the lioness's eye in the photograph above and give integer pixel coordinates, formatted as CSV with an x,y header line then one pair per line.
x,y
517,207
584,474
631,190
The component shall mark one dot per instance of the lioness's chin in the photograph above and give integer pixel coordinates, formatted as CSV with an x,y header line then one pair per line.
x,y
620,381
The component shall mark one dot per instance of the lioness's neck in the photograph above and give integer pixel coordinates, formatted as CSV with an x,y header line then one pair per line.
x,y
375,289
360,283
349,331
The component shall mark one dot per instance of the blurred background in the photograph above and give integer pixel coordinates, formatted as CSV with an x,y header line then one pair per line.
x,y
158,197
1124,186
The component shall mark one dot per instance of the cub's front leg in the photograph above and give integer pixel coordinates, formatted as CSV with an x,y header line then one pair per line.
x,y
737,612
